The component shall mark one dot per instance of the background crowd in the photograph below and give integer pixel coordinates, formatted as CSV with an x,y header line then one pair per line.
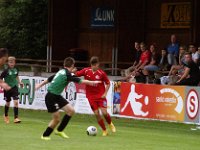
x,y
173,65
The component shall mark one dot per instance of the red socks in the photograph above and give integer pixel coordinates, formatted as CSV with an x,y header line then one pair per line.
x,y
102,125
108,119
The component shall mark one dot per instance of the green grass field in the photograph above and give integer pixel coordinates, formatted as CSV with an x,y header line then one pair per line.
x,y
131,134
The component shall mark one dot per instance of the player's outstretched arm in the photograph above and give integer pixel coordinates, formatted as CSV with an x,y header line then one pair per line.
x,y
41,84
91,83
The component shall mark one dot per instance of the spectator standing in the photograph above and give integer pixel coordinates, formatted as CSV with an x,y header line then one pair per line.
x,y
173,50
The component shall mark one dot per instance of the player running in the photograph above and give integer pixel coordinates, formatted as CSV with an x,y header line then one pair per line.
x,y
97,96
54,101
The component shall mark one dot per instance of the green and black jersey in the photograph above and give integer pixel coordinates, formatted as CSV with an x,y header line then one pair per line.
x,y
60,80
10,76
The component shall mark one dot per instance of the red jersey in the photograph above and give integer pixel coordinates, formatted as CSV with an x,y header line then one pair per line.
x,y
94,92
145,56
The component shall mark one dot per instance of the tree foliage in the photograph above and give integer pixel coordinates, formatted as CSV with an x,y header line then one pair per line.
x,y
23,27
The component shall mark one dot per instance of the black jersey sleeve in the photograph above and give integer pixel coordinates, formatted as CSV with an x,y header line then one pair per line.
x,y
4,74
73,78
50,78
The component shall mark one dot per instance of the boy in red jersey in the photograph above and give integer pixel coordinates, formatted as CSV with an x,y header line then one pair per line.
x,y
97,95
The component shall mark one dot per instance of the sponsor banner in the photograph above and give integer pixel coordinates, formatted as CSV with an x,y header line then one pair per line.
x,y
102,17
172,103
152,101
192,104
176,15
31,99
75,94
28,97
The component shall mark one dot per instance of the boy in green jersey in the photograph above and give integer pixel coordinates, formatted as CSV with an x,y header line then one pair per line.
x,y
54,101
10,76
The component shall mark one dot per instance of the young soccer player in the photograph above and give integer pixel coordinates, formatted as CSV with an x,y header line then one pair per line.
x,y
97,96
3,58
10,76
54,101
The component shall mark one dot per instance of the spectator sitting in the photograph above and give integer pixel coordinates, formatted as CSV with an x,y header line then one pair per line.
x,y
179,68
149,69
144,60
138,52
195,54
191,72
164,64
199,57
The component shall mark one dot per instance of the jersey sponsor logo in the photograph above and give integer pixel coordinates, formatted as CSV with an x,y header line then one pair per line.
x,y
56,106
97,77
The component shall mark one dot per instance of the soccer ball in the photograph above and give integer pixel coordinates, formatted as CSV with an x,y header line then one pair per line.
x,y
91,131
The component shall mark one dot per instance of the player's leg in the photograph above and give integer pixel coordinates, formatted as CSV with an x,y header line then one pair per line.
x,y
95,109
103,107
108,119
52,107
52,124
6,109
16,112
7,98
100,122
69,110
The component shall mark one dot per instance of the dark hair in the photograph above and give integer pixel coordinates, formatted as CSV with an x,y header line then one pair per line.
x,y
3,52
68,62
192,44
188,53
94,60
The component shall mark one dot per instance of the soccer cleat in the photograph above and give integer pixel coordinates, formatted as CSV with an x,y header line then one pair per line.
x,y
46,138
105,133
6,119
62,134
17,120
112,127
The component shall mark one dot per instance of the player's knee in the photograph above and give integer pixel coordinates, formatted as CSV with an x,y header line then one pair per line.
x,y
71,111
15,104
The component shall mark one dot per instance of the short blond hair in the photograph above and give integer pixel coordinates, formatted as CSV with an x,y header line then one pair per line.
x,y
11,58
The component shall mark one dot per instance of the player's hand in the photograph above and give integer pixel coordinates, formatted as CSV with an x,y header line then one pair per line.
x,y
5,86
103,96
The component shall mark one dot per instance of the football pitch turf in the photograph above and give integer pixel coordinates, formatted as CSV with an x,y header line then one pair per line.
x,y
131,134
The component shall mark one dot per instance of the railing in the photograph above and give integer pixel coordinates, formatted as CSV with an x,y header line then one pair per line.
x,y
43,65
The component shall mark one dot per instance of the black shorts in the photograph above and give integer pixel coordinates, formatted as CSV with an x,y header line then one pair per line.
x,y
54,102
12,93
